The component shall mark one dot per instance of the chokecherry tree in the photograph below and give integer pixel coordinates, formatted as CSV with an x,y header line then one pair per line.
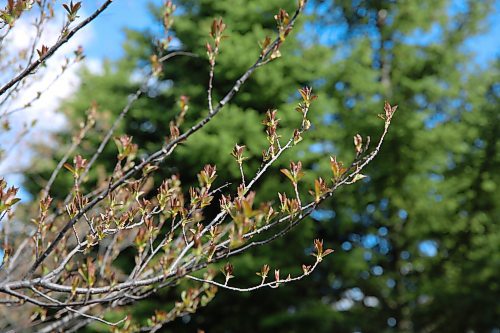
x,y
58,263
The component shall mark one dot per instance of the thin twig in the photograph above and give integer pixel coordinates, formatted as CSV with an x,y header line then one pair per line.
x,y
34,65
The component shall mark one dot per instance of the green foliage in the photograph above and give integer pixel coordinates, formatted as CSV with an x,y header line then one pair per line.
x,y
416,241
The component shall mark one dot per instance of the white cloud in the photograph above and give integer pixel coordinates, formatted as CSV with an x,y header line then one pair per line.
x,y
45,109
95,66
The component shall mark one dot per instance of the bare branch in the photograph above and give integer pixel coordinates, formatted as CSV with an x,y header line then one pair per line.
x,y
49,52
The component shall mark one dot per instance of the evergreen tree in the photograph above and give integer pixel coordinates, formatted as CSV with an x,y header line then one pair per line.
x,y
395,231
417,241
462,280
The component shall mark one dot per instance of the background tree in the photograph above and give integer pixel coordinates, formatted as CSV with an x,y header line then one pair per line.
x,y
415,243
396,229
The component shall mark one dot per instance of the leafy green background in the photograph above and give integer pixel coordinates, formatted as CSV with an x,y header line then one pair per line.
x,y
418,242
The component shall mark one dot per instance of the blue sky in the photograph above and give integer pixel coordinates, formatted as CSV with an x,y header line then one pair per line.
x,y
108,33
487,45
107,29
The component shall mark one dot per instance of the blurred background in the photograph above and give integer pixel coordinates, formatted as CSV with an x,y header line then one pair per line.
x,y
417,242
